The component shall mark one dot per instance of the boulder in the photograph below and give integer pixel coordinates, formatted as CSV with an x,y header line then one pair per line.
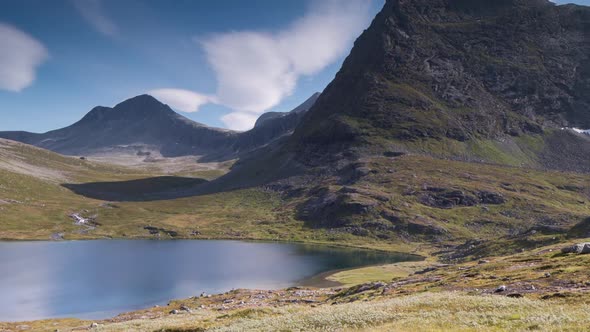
x,y
579,248
501,289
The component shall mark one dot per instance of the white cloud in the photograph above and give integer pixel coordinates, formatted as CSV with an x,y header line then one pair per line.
x,y
252,73
20,55
92,12
256,70
241,121
182,100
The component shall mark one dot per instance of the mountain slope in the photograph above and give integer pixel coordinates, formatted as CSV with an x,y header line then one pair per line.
x,y
143,125
272,126
473,80
303,108
141,121
431,85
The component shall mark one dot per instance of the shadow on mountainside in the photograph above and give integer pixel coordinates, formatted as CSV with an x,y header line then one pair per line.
x,y
580,230
149,189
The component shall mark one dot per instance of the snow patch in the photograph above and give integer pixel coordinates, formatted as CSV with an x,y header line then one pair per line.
x,y
578,130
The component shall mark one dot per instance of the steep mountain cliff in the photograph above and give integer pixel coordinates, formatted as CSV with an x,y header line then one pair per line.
x,y
475,80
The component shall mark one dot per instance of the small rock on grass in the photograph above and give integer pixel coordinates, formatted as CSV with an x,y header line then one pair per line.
x,y
501,289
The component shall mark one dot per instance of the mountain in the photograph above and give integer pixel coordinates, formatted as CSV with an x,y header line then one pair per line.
x,y
271,126
468,80
143,125
445,124
473,80
303,108
141,121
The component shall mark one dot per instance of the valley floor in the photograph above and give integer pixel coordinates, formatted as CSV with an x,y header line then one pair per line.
x,y
538,213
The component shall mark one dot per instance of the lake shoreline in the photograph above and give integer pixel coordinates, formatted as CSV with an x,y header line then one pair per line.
x,y
216,266
422,255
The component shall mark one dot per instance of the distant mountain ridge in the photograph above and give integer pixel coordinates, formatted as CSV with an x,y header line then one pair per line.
x,y
143,123
298,110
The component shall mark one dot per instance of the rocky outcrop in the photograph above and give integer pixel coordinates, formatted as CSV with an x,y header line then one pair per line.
x,y
488,197
579,248
326,208
444,198
157,230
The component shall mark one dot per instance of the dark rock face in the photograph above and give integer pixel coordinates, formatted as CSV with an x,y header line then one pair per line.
x,y
329,209
458,70
421,226
444,198
488,197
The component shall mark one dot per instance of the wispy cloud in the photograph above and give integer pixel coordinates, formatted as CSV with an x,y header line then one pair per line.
x,y
182,100
92,12
256,70
20,55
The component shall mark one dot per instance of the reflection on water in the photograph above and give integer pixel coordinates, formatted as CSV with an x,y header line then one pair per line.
x,y
97,279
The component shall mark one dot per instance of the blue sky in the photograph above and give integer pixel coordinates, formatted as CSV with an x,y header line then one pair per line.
x,y
221,62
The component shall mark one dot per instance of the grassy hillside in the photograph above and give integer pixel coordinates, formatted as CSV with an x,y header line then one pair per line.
x,y
514,218
379,201
36,205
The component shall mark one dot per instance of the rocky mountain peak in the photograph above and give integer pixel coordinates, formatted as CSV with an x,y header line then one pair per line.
x,y
433,69
432,73
143,101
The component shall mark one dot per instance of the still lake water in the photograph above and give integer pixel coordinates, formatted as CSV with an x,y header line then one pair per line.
x,y
99,279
